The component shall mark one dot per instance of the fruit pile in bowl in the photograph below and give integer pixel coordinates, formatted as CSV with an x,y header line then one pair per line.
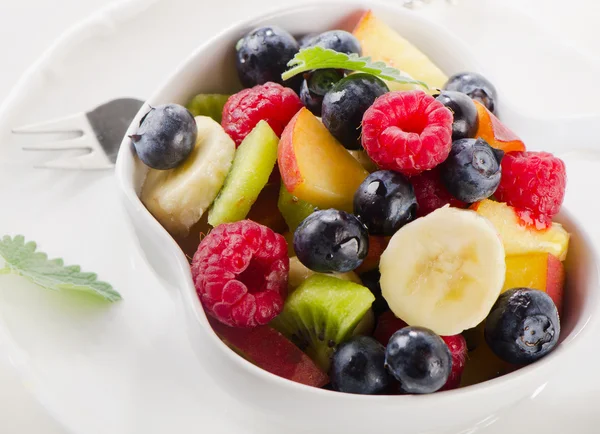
x,y
355,227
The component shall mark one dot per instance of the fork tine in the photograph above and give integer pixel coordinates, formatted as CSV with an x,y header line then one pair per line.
x,y
90,161
71,123
76,144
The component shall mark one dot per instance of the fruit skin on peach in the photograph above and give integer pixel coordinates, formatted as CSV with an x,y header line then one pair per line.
x,y
495,133
382,43
541,271
270,350
315,167
519,239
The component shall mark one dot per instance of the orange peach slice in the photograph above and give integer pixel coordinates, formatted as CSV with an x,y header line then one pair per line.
x,y
315,167
381,42
495,133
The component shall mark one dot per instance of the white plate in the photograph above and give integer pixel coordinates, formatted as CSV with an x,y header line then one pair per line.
x,y
128,368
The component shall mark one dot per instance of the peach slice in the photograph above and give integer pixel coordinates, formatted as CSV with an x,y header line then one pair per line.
x,y
541,271
519,239
270,350
315,167
494,132
382,43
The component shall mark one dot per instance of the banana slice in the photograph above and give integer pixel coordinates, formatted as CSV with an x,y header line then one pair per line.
x,y
179,197
443,271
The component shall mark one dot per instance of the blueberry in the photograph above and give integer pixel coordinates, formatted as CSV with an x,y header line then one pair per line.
x,y
337,40
357,366
370,279
345,104
322,81
419,359
263,55
311,101
166,136
465,113
472,170
315,85
476,86
331,241
384,202
523,326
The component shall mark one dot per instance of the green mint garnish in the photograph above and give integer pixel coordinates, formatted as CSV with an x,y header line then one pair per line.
x,y
311,58
22,258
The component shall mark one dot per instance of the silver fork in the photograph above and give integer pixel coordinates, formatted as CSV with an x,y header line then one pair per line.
x,y
98,132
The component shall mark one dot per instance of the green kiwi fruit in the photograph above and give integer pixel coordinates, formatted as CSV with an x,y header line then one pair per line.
x,y
252,165
293,210
321,313
208,104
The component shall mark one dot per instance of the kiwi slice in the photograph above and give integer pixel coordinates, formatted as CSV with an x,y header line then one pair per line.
x,y
321,313
293,210
252,165
208,104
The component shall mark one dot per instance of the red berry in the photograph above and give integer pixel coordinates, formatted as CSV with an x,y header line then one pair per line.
x,y
458,349
534,183
270,102
431,193
387,325
408,132
240,271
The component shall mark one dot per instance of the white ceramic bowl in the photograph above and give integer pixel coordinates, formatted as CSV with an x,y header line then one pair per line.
x,y
212,69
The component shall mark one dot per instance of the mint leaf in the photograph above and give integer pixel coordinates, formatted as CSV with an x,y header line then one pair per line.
x,y
23,259
311,58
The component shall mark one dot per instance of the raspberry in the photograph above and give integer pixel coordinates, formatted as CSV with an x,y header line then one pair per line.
x,y
408,132
240,271
534,183
431,193
270,101
458,349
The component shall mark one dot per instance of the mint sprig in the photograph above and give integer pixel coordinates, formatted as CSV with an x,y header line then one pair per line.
x,y
311,58
23,259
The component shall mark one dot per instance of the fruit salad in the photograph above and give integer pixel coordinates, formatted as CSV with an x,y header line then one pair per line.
x,y
356,227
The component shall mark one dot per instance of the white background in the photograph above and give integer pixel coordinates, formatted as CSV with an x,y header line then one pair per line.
x,y
27,27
